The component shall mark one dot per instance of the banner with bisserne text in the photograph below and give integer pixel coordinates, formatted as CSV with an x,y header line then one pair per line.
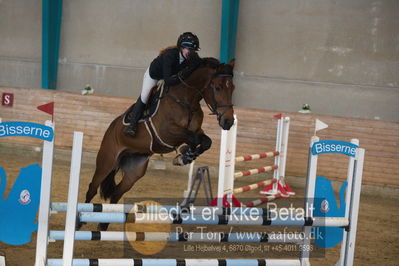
x,y
334,146
26,129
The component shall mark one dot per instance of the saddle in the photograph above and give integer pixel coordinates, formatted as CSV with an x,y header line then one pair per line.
x,y
157,145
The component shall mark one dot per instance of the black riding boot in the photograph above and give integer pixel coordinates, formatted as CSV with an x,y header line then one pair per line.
x,y
138,109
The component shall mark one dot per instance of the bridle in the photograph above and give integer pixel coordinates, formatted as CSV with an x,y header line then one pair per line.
x,y
214,105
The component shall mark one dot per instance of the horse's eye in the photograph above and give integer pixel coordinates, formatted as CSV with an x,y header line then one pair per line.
x,y
218,89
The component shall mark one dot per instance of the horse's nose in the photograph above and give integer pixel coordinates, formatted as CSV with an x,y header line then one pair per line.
x,y
226,124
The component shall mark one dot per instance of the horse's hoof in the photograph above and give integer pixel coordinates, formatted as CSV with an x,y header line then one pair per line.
x,y
79,225
187,160
102,226
182,160
184,149
178,160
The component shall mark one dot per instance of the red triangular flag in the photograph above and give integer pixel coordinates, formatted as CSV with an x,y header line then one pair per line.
x,y
278,116
48,108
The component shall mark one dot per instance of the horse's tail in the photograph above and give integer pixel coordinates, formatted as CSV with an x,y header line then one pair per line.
x,y
108,185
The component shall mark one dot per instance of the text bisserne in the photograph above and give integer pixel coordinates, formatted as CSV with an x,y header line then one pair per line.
x,y
28,129
334,146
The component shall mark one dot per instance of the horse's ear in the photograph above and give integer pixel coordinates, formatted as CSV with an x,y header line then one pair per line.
x,y
232,62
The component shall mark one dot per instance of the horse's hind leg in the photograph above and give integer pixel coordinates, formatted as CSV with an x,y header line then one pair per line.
x,y
105,166
133,167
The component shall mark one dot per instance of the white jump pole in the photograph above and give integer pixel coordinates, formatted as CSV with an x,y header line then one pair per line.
x,y
189,183
45,196
2,256
284,148
309,200
73,194
277,159
227,163
352,198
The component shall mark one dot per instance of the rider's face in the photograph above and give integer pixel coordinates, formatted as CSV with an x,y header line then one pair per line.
x,y
185,52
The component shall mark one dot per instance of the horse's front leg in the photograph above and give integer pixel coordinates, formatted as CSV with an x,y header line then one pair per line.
x,y
198,143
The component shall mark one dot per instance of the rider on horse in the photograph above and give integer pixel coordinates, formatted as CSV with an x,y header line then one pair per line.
x,y
172,65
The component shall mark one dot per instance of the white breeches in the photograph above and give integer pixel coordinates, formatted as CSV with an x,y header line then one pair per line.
x,y
148,84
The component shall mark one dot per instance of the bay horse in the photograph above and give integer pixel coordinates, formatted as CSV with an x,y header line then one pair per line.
x,y
178,121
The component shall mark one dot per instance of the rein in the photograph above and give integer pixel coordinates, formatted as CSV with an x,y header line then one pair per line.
x,y
214,105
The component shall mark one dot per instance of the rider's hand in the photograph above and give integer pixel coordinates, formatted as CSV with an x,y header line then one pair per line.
x,y
160,83
193,59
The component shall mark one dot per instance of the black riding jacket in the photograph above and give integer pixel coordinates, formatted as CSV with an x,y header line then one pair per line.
x,y
166,66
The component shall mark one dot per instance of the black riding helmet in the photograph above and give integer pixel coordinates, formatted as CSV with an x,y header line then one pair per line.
x,y
188,40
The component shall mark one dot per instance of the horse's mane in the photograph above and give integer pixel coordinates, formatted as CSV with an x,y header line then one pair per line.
x,y
222,68
210,62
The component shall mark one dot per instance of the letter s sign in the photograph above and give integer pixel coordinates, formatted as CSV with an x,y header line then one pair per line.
x,y
7,99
